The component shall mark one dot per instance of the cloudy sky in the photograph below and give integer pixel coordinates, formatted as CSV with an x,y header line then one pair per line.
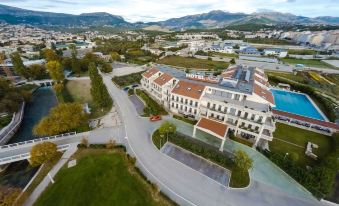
x,y
155,10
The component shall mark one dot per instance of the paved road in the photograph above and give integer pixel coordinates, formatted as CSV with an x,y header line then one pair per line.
x,y
181,183
99,136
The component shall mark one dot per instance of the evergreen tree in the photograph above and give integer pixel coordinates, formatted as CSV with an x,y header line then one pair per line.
x,y
18,65
98,89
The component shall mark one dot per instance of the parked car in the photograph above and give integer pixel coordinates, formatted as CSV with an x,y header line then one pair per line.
x,y
155,118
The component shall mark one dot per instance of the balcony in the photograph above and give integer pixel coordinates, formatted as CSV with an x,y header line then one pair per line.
x,y
254,132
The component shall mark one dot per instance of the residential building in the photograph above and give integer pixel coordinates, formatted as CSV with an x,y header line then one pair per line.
x,y
281,53
236,101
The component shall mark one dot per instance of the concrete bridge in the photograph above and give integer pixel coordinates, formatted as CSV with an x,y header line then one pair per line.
x,y
21,150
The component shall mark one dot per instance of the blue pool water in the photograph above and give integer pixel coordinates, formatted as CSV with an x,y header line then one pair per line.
x,y
295,103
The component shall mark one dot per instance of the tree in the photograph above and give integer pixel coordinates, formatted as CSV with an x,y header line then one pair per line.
x,y
106,68
63,118
75,62
8,195
50,55
242,161
10,97
55,71
115,56
18,65
167,127
42,153
36,71
98,89
58,87
232,61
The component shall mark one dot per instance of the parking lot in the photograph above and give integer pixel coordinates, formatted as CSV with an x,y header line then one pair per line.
x,y
207,168
138,104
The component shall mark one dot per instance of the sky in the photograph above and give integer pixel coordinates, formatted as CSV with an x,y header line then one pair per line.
x,y
157,10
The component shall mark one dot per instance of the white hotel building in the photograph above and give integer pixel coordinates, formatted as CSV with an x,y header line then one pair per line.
x,y
238,100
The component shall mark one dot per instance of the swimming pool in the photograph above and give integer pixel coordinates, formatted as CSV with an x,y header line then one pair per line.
x,y
295,103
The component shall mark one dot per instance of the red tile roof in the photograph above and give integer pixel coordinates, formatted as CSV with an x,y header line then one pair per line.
x,y
150,72
262,81
213,126
264,93
228,73
307,119
163,79
188,89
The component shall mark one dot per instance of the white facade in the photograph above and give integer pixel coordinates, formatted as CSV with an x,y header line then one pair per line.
x,y
247,114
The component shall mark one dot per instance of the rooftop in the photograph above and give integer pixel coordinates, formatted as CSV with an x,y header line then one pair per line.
x,y
163,79
216,127
188,89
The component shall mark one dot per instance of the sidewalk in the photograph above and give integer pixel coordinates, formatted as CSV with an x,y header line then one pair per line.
x,y
45,182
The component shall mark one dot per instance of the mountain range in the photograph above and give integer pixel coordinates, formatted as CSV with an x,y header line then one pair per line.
x,y
213,19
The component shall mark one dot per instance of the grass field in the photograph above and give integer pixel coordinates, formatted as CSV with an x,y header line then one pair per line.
x,y
306,62
193,63
298,137
101,177
223,54
297,78
80,91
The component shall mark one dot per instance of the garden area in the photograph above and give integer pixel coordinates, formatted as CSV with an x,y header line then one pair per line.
x,y
287,150
239,178
184,119
151,106
102,177
193,63
293,140
127,80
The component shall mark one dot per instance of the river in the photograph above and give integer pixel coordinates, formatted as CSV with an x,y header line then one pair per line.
x,y
18,174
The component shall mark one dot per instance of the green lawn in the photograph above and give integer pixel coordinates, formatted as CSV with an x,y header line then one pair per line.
x,y
297,78
306,62
80,91
101,177
299,137
223,54
127,80
4,121
194,63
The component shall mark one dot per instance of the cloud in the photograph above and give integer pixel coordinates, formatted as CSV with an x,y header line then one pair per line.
x,y
156,10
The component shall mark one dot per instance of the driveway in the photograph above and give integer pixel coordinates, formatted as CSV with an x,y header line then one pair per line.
x,y
181,183
205,167
138,104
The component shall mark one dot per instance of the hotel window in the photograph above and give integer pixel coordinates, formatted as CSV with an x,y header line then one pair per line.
x,y
237,97
185,109
195,111
196,104
191,102
172,104
176,106
180,107
190,110
225,109
186,101
208,105
172,97
219,108
182,100
177,99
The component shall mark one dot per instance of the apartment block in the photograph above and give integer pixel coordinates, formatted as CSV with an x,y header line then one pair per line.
x,y
238,101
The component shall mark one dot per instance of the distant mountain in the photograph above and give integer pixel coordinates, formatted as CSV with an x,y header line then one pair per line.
x,y
15,15
217,19
213,19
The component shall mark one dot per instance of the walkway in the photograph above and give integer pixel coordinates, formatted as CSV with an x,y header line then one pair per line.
x,y
182,184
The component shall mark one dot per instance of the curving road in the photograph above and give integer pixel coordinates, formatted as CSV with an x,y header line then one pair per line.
x,y
181,183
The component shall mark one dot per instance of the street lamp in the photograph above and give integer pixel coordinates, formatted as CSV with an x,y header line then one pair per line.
x,y
285,155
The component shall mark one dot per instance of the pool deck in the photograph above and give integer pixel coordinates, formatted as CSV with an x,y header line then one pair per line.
x,y
309,99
